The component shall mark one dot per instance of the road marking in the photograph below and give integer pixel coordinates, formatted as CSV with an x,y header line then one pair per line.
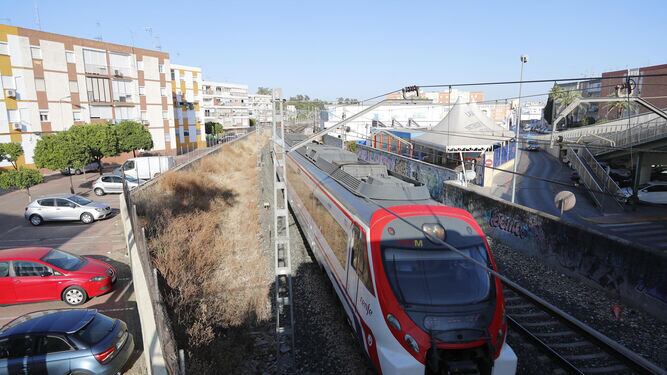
x,y
123,292
12,229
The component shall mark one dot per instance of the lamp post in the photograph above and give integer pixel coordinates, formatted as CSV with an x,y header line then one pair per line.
x,y
524,59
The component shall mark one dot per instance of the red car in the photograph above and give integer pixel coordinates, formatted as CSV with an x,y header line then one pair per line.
x,y
32,274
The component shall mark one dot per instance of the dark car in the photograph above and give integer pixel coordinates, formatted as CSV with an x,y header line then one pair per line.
x,y
532,145
76,341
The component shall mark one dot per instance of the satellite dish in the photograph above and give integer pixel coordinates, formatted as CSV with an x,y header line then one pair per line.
x,y
565,201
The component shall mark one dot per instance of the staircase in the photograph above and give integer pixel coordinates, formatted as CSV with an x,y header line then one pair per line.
x,y
603,190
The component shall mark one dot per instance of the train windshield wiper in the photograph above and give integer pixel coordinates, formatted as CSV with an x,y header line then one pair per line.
x,y
398,283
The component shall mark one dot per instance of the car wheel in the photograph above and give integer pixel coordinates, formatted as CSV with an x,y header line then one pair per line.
x,y
87,218
99,191
74,296
77,172
36,220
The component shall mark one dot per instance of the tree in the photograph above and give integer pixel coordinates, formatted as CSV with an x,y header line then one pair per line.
x,y
620,107
561,99
213,128
99,140
264,91
133,136
11,152
59,151
21,178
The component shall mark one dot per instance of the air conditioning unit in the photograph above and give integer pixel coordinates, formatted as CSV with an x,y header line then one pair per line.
x,y
16,126
10,93
117,73
122,99
144,122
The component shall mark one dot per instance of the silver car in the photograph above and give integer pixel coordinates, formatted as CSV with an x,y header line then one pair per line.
x,y
67,207
113,184
92,167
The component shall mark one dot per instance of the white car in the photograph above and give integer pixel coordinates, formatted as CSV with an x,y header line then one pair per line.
x,y
92,167
113,184
146,167
652,192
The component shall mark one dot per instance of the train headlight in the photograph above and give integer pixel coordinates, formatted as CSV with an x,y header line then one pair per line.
x,y
412,343
393,322
434,230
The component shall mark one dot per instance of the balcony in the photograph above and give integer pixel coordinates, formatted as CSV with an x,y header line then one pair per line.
x,y
121,72
123,100
96,70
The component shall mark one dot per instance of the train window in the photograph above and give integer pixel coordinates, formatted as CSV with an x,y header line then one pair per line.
x,y
360,258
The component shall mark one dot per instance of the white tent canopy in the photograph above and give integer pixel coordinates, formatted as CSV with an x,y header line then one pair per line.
x,y
465,128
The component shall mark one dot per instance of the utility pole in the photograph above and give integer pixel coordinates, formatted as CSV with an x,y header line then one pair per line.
x,y
524,59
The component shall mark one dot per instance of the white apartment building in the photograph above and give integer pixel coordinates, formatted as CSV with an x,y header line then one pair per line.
x,y
50,82
186,83
260,108
227,104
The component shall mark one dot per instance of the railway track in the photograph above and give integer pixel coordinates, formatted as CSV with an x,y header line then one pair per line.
x,y
572,344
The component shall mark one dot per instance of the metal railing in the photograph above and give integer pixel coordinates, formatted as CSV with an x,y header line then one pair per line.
x,y
649,131
603,178
586,177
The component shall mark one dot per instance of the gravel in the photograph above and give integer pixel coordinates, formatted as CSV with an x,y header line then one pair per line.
x,y
635,329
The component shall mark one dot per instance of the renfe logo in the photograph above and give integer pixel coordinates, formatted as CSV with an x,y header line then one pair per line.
x,y
366,306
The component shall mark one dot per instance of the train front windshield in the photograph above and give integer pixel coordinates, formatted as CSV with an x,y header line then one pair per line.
x,y
437,277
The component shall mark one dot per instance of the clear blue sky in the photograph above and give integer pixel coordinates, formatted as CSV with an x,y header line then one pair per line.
x,y
358,49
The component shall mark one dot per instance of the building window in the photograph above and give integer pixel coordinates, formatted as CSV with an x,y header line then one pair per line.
x,y
161,68
13,115
76,116
4,50
39,84
73,86
173,75
103,112
98,89
144,116
142,90
43,116
36,52
140,65
165,115
163,91
69,56
122,91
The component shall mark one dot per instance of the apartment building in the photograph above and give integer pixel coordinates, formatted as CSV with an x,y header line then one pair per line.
x,y
50,82
260,108
227,104
186,83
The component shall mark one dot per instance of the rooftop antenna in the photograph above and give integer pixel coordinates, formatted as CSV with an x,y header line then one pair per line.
x,y
39,23
99,31
149,30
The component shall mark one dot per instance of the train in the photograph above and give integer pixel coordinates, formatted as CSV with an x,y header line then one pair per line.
x,y
415,306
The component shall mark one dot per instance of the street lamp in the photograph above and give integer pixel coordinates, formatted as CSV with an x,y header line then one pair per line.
x,y
524,60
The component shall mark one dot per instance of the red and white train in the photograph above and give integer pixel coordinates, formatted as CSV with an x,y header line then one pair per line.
x,y
416,307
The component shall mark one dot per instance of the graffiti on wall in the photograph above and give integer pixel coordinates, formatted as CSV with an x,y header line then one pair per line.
x,y
432,176
499,220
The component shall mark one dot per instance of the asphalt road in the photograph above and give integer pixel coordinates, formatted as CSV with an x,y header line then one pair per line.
x,y
102,240
647,225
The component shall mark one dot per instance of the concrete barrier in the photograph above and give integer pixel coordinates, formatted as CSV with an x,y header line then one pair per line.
x,y
153,356
637,274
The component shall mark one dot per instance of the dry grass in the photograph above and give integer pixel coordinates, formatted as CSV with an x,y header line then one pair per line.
x,y
203,228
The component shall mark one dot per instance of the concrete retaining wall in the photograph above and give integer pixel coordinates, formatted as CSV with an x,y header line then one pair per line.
x,y
155,362
635,273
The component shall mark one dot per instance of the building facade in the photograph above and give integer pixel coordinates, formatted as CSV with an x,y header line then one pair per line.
x,y
226,104
50,82
186,83
260,108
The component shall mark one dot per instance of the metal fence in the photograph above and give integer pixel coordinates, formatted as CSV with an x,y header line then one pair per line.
x,y
603,178
649,131
601,198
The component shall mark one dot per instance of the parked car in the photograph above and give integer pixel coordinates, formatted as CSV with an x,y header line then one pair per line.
x,y
114,184
92,167
145,167
659,174
532,145
616,173
652,192
65,207
75,341
33,274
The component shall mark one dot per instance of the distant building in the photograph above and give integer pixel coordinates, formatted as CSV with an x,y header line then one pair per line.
x,y
186,90
50,82
260,107
227,104
652,89
447,97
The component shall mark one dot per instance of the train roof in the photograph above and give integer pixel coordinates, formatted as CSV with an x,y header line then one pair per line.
x,y
363,179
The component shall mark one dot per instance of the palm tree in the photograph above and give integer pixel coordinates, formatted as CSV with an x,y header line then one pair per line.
x,y
563,98
621,107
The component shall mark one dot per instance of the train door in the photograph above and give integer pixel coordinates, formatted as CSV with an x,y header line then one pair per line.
x,y
352,277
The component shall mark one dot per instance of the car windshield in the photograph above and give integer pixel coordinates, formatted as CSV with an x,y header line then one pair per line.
x,y
63,260
437,277
79,200
96,330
